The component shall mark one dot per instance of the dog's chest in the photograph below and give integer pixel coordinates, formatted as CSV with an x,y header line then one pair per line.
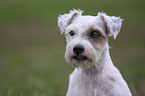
x,y
104,84
94,87
90,86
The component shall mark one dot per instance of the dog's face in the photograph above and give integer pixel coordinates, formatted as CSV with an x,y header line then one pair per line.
x,y
85,41
87,36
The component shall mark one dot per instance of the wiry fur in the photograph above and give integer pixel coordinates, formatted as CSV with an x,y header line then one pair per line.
x,y
96,76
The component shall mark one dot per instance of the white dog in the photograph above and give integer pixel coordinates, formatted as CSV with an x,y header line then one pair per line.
x,y
88,50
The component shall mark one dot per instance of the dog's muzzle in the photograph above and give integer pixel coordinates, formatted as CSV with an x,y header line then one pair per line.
x,y
78,51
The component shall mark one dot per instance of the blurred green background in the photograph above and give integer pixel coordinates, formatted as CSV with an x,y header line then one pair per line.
x,y
32,49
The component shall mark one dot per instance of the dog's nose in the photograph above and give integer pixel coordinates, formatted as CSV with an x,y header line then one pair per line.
x,y
78,49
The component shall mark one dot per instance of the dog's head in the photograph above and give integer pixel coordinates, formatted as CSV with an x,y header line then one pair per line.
x,y
87,36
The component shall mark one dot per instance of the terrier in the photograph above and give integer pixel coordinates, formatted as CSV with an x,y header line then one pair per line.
x,y
88,51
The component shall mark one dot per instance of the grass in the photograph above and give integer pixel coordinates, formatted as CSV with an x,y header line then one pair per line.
x,y
32,50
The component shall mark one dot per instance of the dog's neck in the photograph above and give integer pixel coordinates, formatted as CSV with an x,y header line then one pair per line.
x,y
97,68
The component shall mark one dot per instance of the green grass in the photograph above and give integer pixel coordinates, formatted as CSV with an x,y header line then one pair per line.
x,y
32,50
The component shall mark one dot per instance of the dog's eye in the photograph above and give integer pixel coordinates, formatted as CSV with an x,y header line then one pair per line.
x,y
72,33
95,34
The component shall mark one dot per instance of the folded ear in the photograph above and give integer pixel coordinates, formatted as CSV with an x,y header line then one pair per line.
x,y
112,24
65,20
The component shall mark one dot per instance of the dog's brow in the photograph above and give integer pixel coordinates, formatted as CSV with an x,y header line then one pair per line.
x,y
71,27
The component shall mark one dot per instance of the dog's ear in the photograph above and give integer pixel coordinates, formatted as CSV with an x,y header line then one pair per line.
x,y
65,20
112,24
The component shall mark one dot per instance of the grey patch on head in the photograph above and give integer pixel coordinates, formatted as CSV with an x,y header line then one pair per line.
x,y
112,79
106,28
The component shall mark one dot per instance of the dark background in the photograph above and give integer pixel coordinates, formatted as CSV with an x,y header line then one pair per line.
x,y
32,49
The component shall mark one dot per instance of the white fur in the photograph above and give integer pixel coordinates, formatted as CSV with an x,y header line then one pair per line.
x,y
96,76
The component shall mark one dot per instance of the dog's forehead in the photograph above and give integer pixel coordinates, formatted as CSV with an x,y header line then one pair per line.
x,y
85,23
86,20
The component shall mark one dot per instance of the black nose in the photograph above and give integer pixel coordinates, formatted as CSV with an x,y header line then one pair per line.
x,y
78,49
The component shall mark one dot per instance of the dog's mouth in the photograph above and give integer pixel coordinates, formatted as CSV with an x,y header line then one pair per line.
x,y
80,57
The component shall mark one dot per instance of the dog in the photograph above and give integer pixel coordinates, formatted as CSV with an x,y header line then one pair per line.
x,y
88,50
